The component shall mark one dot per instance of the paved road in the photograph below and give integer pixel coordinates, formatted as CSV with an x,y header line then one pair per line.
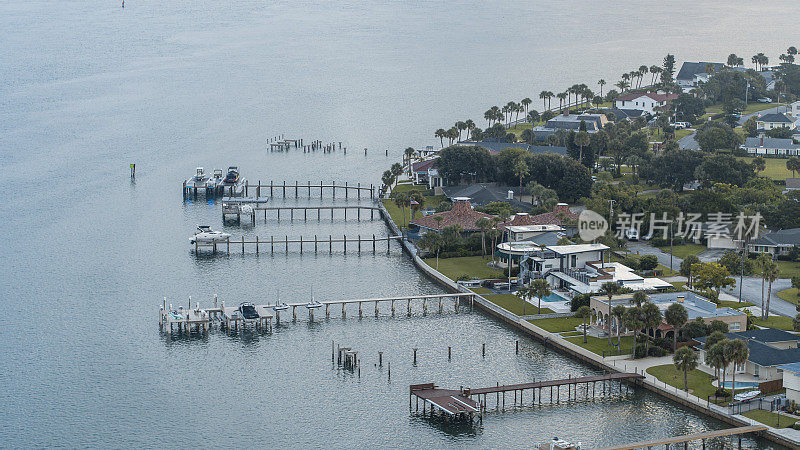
x,y
688,142
751,292
744,118
643,248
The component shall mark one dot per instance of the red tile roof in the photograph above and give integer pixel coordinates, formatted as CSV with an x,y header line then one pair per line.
x,y
462,214
518,220
552,218
423,166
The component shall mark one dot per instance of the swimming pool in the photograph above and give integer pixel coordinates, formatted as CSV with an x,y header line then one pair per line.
x,y
554,298
741,384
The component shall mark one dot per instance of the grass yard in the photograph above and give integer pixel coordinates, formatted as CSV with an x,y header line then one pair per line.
x,y
598,345
473,266
680,134
684,250
779,322
558,324
750,109
397,214
790,295
512,303
480,290
698,381
733,304
770,418
775,170
789,269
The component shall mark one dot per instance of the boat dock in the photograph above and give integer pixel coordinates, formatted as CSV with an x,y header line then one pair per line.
x,y
685,439
456,404
255,244
283,189
228,318
250,206
280,144
428,391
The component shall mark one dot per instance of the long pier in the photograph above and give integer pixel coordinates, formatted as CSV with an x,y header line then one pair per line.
x,y
201,320
283,189
257,243
232,206
686,438
429,392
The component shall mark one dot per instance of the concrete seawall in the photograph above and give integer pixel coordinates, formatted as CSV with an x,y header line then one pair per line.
x,y
559,343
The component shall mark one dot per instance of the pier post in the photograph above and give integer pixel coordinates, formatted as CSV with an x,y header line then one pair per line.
x,y
359,244
376,308
286,241
327,312
449,352
344,311
517,349
271,245
392,307
296,190
440,305
309,188
270,188
294,312
346,190
315,246
415,356
301,245
284,188
483,350
345,244
360,311
424,306
258,189
359,191
380,359
330,244
409,307
373,244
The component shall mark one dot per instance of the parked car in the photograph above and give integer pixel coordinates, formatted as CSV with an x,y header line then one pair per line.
x,y
681,125
764,100
248,311
632,234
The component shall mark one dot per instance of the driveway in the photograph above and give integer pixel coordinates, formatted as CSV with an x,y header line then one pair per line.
x,y
711,254
751,292
643,248
688,142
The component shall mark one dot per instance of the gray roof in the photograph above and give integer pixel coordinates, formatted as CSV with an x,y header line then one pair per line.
x,y
483,194
690,69
765,335
762,354
573,122
549,239
790,236
622,113
768,142
775,117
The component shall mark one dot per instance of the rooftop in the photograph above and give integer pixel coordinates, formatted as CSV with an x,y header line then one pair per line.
x,y
483,194
690,69
775,118
769,142
554,217
462,215
653,95
423,166
789,236
696,305
577,248
533,228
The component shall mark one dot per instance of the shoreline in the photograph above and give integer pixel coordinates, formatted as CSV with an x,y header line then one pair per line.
x,y
575,351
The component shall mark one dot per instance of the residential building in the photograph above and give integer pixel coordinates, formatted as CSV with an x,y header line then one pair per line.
x,y
426,172
769,350
534,233
567,122
696,306
771,146
561,215
692,73
794,109
485,193
647,102
461,214
621,114
775,120
497,147
791,381
779,242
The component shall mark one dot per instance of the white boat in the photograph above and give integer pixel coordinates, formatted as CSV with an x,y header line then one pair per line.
x,y
206,236
280,307
558,444
199,179
744,396
313,304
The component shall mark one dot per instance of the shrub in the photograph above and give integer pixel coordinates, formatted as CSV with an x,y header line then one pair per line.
x,y
641,351
657,351
463,277
514,271
632,262
722,393
578,301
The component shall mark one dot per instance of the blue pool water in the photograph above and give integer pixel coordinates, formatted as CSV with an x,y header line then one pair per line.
x,y
741,384
554,298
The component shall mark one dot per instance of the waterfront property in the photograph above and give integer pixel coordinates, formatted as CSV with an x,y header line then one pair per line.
x,y
497,147
567,122
425,172
769,350
646,102
696,307
692,73
779,242
791,380
771,146
484,193
561,216
462,214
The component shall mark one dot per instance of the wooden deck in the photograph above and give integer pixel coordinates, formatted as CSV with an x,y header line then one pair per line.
x,y
449,401
689,437
562,382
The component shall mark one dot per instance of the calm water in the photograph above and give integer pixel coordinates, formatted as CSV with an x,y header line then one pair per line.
x,y
88,88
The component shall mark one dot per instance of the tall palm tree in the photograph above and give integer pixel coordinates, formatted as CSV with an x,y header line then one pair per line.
x,y
654,71
609,289
652,319
483,224
440,133
618,312
544,95
470,126
763,260
771,273
493,234
581,140
402,200
738,352
754,60
622,85
489,115
460,126
521,170
550,96
677,316
561,97
642,71
584,312
685,360
602,83
408,153
540,289
525,102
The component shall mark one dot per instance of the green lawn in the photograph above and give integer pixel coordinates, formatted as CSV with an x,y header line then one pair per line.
x,y
733,304
779,322
512,303
480,290
775,170
790,295
396,213
684,250
558,324
598,345
473,266
699,382
679,285
680,134
789,269
751,108
770,418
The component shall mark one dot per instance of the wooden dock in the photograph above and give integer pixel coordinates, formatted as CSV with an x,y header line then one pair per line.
x,y
448,401
572,384
201,319
284,189
252,206
685,439
303,244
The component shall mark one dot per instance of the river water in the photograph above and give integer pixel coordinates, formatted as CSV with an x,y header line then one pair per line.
x,y
89,87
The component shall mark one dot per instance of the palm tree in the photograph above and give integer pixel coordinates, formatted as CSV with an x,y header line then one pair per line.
x,y
770,273
470,126
738,352
484,223
792,50
618,312
602,83
581,140
544,96
677,316
654,71
638,299
533,116
387,179
609,289
550,95
525,102
521,170
440,133
642,71
397,170
652,319
488,115
754,60
409,152
540,289
417,202
432,242
584,312
793,164
460,126
685,360
451,135
402,200
622,85
493,234
763,260
561,97
720,358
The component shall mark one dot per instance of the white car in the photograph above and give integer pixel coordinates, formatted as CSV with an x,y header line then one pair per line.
x,y
681,125
632,234
765,100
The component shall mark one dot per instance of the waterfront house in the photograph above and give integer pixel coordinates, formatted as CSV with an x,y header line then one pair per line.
x,y
567,122
497,147
696,307
692,73
647,102
791,380
426,172
779,242
775,120
621,114
484,193
769,350
771,146
461,214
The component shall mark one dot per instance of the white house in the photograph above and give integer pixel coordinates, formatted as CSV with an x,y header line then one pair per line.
x,y
776,120
794,109
771,146
426,172
791,381
645,102
692,73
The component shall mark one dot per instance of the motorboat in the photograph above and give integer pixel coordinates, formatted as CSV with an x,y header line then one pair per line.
x,y
745,396
248,311
200,179
206,236
313,304
558,444
280,307
232,177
